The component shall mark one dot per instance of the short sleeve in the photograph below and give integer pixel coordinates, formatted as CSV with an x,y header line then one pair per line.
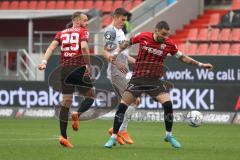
x,y
58,37
84,35
136,38
174,49
109,38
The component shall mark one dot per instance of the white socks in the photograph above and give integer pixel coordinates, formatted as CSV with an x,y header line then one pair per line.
x,y
127,117
114,136
168,133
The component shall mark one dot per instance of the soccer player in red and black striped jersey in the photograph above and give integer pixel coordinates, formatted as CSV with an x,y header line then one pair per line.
x,y
147,74
75,71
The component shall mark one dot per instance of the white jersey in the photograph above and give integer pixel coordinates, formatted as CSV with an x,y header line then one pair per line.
x,y
112,38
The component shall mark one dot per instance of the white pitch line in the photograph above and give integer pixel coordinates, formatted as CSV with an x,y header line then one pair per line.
x,y
22,134
28,139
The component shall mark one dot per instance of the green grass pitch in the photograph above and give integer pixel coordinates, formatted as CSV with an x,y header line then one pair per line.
x,y
35,139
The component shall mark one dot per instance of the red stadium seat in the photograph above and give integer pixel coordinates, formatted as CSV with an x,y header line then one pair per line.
x,y
106,20
98,5
42,4
23,4
235,35
235,5
70,4
235,1
32,5
14,5
79,4
107,6
5,5
214,19
203,49
235,49
181,47
51,4
214,34
88,4
213,49
117,4
136,3
127,5
224,49
192,34
192,49
203,35
224,35
60,4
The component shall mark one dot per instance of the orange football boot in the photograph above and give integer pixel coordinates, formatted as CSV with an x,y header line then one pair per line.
x,y
75,122
119,139
125,136
65,142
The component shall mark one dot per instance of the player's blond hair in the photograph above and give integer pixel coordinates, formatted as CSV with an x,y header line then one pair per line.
x,y
77,14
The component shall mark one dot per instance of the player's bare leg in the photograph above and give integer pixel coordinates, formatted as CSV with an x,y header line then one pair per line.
x,y
84,106
164,99
63,119
127,99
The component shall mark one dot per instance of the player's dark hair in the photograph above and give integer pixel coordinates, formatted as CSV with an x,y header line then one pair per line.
x,y
129,16
162,25
76,14
120,12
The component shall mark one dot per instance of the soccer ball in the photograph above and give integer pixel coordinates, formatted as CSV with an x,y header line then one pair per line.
x,y
194,118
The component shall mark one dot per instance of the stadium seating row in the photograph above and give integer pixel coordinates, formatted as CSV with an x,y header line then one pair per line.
x,y
206,35
214,34
209,18
210,49
103,5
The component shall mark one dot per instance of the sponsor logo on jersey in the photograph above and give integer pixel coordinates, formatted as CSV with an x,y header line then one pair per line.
x,y
69,54
152,50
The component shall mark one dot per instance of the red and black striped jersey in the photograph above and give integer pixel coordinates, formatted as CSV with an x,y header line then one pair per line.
x,y
151,55
70,41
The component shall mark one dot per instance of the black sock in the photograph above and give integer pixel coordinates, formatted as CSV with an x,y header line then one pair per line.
x,y
85,105
168,115
119,116
63,119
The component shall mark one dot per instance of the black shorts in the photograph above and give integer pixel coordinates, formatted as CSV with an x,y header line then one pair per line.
x,y
150,86
72,79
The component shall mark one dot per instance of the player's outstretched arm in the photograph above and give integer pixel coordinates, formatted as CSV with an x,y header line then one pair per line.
x,y
112,59
131,59
48,54
191,61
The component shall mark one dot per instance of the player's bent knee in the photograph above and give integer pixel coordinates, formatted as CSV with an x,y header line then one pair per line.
x,y
67,101
122,101
163,97
91,94
137,102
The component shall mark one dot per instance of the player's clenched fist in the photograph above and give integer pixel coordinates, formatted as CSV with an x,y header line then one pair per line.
x,y
43,65
207,66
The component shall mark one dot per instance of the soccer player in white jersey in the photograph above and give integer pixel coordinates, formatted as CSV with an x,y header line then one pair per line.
x,y
118,67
